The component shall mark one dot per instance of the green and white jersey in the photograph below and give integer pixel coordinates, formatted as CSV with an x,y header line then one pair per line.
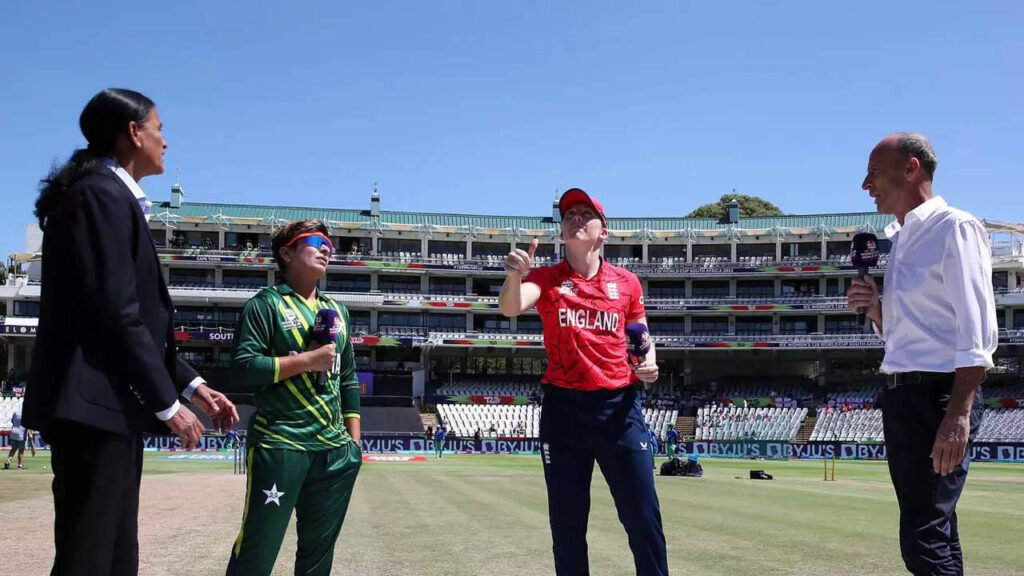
x,y
290,414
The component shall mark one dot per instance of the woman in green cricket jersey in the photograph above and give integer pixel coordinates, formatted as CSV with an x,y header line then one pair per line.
x,y
303,443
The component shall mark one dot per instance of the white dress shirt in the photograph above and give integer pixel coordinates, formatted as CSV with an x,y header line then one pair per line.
x,y
939,311
145,205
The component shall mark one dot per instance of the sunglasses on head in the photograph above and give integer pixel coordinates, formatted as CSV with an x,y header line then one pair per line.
x,y
314,239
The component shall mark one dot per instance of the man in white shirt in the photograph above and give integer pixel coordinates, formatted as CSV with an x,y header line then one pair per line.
x,y
938,322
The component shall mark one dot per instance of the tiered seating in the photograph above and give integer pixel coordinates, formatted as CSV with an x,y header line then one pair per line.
x,y
1003,391
400,256
508,420
659,419
8,406
489,388
662,389
1002,425
798,260
782,396
734,423
669,261
402,331
852,426
710,261
755,261
861,397
624,261
448,258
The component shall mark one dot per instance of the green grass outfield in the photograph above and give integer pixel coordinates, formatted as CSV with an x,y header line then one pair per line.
x,y
486,515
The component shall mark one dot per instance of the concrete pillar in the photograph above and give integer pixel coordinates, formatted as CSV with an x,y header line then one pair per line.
x,y
778,250
218,276
732,325
424,247
374,243
645,251
732,286
424,284
220,239
732,251
689,250
373,282
688,327
778,287
689,288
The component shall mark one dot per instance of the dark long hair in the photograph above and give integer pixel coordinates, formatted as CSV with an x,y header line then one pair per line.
x,y
103,120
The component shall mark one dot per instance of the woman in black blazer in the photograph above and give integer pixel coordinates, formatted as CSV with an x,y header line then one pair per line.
x,y
105,366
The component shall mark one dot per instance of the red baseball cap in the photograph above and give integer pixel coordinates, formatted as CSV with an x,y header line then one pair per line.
x,y
578,196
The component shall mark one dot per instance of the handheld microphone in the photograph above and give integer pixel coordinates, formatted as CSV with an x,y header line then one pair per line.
x,y
863,255
326,329
639,342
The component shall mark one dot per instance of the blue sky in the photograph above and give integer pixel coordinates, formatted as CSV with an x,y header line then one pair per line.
x,y
487,107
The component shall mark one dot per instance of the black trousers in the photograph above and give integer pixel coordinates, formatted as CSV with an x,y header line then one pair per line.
x,y
911,414
96,478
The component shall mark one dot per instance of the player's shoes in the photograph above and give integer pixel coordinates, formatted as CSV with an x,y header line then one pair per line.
x,y
21,466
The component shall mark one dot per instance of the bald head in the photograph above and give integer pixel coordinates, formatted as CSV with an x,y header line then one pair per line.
x,y
900,171
903,146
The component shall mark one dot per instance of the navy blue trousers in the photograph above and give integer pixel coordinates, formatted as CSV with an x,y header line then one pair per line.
x,y
929,541
577,429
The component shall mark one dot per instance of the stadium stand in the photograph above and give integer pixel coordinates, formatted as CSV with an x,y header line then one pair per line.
x,y
504,420
489,388
8,406
659,419
851,426
1002,425
734,423
861,397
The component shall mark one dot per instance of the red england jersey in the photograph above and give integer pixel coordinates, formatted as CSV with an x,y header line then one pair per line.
x,y
585,325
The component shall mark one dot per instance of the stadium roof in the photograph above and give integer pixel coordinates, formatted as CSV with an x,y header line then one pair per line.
x,y
234,213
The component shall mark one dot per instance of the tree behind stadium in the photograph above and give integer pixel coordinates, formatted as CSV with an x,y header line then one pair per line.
x,y
750,207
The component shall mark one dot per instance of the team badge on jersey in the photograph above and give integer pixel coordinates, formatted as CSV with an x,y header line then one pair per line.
x,y
291,320
567,287
613,290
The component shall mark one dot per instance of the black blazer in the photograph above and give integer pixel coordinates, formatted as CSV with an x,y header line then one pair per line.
x,y
104,354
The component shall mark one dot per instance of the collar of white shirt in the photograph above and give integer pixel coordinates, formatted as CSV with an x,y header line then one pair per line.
x,y
144,203
921,213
